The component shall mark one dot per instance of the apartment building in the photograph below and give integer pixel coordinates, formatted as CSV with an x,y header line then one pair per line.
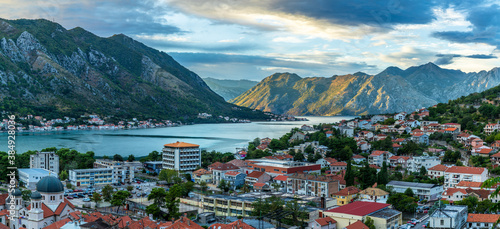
x,y
455,174
378,157
181,156
420,190
312,185
45,160
122,172
415,163
281,167
480,221
437,171
91,177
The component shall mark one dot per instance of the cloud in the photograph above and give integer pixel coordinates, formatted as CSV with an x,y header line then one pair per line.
x,y
485,27
445,59
408,56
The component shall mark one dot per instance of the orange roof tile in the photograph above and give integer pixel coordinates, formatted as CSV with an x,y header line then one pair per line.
x,y
482,218
281,178
439,167
357,225
325,221
469,184
232,173
485,151
58,224
181,145
450,129
451,191
3,198
255,174
496,155
339,164
466,170
351,190
239,224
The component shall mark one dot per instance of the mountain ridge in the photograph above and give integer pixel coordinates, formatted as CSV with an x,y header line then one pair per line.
x,y
391,90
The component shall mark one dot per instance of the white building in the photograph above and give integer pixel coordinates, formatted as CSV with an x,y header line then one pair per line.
x,y
378,157
122,172
373,195
45,160
480,221
450,216
91,177
30,177
455,174
420,190
415,163
181,156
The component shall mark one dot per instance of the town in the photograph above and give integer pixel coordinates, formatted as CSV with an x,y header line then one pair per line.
x,y
396,171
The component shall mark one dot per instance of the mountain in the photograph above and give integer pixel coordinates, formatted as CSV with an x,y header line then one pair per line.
x,y
229,89
392,90
48,70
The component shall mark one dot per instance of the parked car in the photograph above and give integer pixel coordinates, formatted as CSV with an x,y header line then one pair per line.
x,y
69,197
133,192
86,200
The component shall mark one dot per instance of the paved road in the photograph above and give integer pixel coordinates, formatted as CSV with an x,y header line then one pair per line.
x,y
464,153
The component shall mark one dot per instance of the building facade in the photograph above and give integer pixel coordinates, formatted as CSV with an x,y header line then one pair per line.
x,y
415,163
455,174
45,160
312,185
30,177
91,177
122,172
449,216
420,190
181,156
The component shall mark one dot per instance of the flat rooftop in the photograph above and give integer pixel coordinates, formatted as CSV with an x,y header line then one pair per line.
x,y
386,213
92,170
279,163
38,172
411,184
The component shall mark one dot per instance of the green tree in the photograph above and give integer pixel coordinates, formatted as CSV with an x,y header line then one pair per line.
x,y
349,174
167,175
26,195
69,185
470,201
224,186
172,201
296,211
131,158
409,192
158,196
117,157
107,192
299,156
96,197
63,175
423,171
383,176
130,188
119,199
154,210
203,186
370,223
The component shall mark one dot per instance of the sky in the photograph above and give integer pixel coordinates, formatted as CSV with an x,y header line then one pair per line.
x,y
252,39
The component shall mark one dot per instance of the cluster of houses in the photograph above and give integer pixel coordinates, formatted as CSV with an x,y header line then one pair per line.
x,y
226,118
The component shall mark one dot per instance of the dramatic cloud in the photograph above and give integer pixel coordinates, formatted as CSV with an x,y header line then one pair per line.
x,y
445,59
409,56
485,27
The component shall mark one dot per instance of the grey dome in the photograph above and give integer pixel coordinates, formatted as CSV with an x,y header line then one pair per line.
x,y
17,192
49,184
36,195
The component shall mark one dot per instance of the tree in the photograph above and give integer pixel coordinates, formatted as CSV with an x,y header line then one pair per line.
x,y
423,171
383,176
154,210
107,192
224,186
349,174
402,202
276,186
96,197
69,185
63,175
158,196
26,195
187,176
370,223
299,156
119,198
130,188
470,201
172,201
131,158
296,211
409,192
167,175
203,186
117,157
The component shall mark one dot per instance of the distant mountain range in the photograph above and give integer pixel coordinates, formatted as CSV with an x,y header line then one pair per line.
x,y
48,70
229,89
392,90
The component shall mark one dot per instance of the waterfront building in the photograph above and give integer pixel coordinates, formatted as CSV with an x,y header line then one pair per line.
x,y
30,177
91,177
181,156
122,172
45,160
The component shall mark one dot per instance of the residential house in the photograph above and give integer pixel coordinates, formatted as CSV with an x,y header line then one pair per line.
x,y
239,224
455,174
306,128
452,125
351,215
450,216
377,157
356,225
312,185
420,138
483,152
364,146
420,190
257,177
337,167
298,136
202,175
415,163
281,180
402,161
235,179
437,171
495,158
454,194
495,145
373,195
367,135
480,221
326,162
400,116
378,118
323,223
346,195
219,169
261,187
358,159
451,130
470,185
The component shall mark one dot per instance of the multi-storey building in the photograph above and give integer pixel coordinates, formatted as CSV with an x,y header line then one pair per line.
x,y
281,167
91,177
45,160
312,185
378,157
181,156
455,174
219,169
122,172
415,163
420,190
153,166
30,177
437,171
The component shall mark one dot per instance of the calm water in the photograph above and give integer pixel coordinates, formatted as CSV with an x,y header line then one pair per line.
x,y
140,142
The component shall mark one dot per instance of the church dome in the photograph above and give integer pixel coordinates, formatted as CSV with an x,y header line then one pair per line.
x,y
49,184
36,195
17,192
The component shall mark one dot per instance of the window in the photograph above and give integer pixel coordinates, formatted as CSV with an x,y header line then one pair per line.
x,y
442,222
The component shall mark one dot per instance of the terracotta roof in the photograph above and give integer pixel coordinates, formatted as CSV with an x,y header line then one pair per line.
x,y
181,145
351,190
122,221
58,224
69,203
377,153
481,193
313,177
258,184
3,198
239,224
452,123
466,170
201,172
330,160
4,212
482,218
3,226
255,174
496,155
358,156
232,173
357,225
215,164
399,157
359,208
396,145
439,167
374,192
76,215
46,211
469,184
485,151
341,163
450,129
281,178
374,166
239,163
325,221
451,191
224,166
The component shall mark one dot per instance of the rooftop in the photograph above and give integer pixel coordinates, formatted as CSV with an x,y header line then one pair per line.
x,y
181,145
386,213
92,170
467,170
278,163
359,208
374,192
449,211
439,167
411,184
482,218
38,172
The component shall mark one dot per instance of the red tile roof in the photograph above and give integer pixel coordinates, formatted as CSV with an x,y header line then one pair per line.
x,y
357,225
451,191
3,198
46,211
58,224
482,218
181,145
374,166
439,167
224,166
348,191
3,226
470,184
4,212
255,174
450,129
325,221
281,178
377,153
359,208
201,172
232,173
396,145
239,224
496,155
466,170
358,156
339,164
485,151
258,184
